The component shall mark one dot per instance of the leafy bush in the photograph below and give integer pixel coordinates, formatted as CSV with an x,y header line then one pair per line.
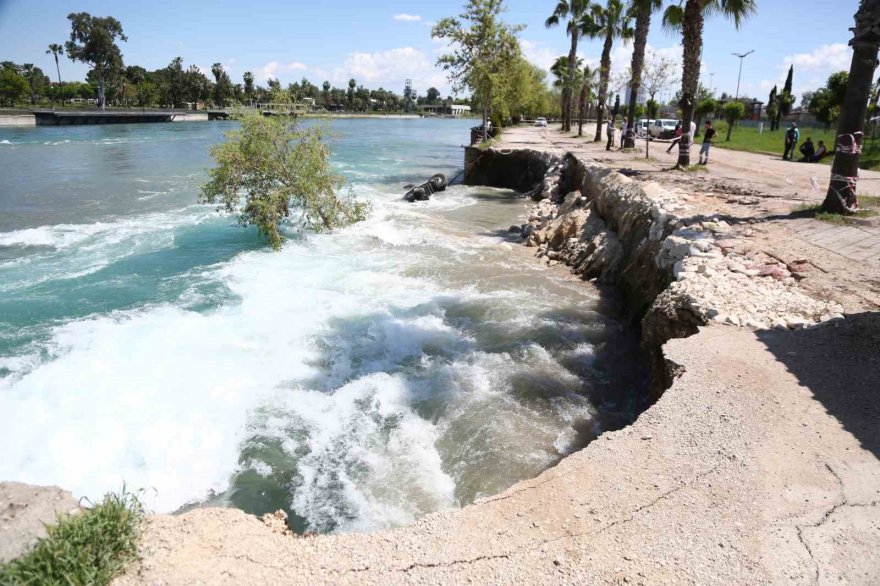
x,y
276,165
90,548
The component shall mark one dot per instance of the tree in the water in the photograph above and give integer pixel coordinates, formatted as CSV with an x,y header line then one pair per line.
x,y
93,41
609,22
272,171
688,16
642,11
574,11
841,197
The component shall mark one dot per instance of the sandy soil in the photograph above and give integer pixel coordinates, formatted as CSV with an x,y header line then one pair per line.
x,y
759,465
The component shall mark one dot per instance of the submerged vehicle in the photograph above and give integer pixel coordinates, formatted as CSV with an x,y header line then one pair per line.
x,y
424,191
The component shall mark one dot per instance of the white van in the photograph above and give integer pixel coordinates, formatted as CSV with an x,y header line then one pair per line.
x,y
662,128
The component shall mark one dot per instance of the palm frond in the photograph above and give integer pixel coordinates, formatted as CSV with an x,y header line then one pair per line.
x,y
738,10
673,18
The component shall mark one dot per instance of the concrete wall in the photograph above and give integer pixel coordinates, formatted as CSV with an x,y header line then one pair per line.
x,y
18,120
191,117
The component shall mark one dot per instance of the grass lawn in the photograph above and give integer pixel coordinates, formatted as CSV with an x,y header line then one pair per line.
x,y
748,139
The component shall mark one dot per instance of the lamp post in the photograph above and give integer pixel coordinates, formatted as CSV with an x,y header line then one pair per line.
x,y
741,57
711,82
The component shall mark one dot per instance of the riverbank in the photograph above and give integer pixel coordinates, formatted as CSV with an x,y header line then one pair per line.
x,y
758,464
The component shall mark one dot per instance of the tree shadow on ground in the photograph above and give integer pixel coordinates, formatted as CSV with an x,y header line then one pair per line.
x,y
840,364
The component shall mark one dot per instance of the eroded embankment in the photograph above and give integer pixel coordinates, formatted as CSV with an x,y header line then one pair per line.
x,y
677,269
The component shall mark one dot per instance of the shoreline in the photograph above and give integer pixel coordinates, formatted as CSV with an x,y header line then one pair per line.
x,y
746,470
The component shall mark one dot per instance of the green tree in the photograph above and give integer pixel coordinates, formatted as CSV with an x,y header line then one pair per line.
x,y
641,11
588,82
613,21
433,95
704,107
248,85
271,167
785,100
13,86
652,108
826,102
733,113
352,84
55,50
688,16
37,81
574,11
772,108
93,41
483,47
841,196
222,85
561,72
326,93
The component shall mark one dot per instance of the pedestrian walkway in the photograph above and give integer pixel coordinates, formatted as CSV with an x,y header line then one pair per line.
x,y
859,243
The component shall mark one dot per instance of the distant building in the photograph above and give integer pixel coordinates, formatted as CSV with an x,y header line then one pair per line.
x,y
454,110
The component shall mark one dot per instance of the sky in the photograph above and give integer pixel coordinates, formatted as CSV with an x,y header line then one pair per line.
x,y
381,44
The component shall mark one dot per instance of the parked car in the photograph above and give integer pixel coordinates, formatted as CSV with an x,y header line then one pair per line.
x,y
642,127
542,122
662,128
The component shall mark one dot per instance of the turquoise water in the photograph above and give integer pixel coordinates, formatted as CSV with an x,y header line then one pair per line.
x,y
358,380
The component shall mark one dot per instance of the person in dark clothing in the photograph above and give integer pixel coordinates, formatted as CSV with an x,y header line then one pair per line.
x,y
808,150
821,152
676,138
708,135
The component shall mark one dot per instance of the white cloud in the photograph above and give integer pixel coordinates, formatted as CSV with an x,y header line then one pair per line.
x,y
538,53
270,70
407,17
389,69
834,57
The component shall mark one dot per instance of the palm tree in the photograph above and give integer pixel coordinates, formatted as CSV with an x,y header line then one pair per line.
x,y
688,17
610,22
642,11
841,197
574,10
588,81
566,77
55,49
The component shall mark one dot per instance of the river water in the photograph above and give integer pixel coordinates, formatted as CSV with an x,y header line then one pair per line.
x,y
358,380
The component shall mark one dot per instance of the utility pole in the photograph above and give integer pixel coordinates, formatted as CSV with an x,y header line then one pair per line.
x,y
741,57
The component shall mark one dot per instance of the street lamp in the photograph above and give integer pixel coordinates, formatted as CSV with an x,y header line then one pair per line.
x,y
711,82
741,57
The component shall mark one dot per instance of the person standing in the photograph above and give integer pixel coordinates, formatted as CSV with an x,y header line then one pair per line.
x,y
708,135
791,139
676,137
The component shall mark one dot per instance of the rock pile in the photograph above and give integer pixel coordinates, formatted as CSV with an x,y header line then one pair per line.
x,y
711,269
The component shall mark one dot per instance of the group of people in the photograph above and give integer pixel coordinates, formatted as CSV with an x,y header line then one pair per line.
x,y
811,153
708,136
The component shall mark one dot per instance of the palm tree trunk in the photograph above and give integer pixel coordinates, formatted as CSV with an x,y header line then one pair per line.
x,y
841,197
692,41
604,74
60,88
568,91
643,25
582,103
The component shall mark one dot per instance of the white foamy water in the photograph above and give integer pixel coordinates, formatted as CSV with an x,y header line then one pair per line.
x,y
359,379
